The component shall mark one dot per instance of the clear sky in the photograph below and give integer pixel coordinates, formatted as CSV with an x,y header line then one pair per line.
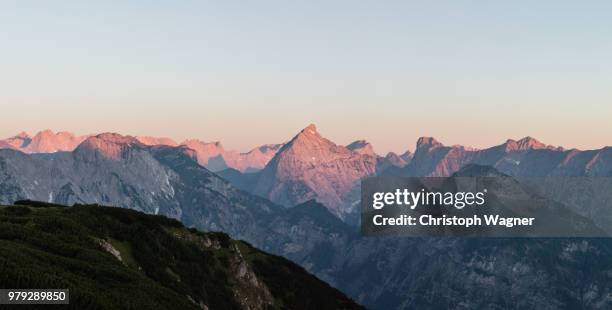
x,y
254,72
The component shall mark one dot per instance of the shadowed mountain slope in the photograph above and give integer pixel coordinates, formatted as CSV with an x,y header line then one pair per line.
x,y
112,258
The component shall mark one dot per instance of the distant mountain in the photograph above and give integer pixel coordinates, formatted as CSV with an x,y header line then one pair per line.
x,y
525,157
111,258
214,156
394,161
111,169
210,155
252,161
362,147
43,142
312,167
148,140
17,142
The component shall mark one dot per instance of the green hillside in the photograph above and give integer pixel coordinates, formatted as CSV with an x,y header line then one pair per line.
x,y
114,258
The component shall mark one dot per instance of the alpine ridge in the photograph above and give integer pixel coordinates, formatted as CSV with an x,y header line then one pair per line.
x,y
312,167
210,155
45,141
111,169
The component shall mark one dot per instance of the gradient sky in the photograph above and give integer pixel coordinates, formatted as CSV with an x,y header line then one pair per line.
x,y
255,72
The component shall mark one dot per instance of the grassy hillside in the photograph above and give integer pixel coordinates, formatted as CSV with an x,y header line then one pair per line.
x,y
113,258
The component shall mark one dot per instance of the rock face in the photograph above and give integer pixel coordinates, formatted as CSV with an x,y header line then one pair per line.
x,y
312,167
43,142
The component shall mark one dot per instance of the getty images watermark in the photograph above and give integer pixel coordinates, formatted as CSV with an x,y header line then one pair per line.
x,y
474,206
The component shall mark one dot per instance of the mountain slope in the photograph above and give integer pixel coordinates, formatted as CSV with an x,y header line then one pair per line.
x,y
441,273
312,167
113,258
111,169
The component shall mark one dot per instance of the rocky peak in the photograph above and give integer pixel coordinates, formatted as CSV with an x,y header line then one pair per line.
x,y
427,143
22,135
407,156
307,135
19,141
310,146
205,151
395,160
310,129
399,160
47,141
313,167
362,147
107,145
525,144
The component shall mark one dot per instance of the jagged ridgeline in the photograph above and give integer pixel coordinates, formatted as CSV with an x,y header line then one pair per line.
x,y
113,258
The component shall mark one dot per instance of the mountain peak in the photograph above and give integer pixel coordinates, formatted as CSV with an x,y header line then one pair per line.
x,y
207,152
47,141
116,138
310,131
308,142
22,135
361,147
530,142
358,144
527,143
428,142
313,167
311,127
108,145
46,132
19,141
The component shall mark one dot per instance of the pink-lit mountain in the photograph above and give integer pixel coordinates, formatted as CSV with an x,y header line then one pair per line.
x,y
149,140
216,158
45,141
210,155
312,167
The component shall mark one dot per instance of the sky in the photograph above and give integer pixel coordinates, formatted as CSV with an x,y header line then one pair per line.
x,y
254,72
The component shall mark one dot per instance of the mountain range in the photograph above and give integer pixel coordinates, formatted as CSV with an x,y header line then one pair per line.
x,y
310,166
279,210
210,155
